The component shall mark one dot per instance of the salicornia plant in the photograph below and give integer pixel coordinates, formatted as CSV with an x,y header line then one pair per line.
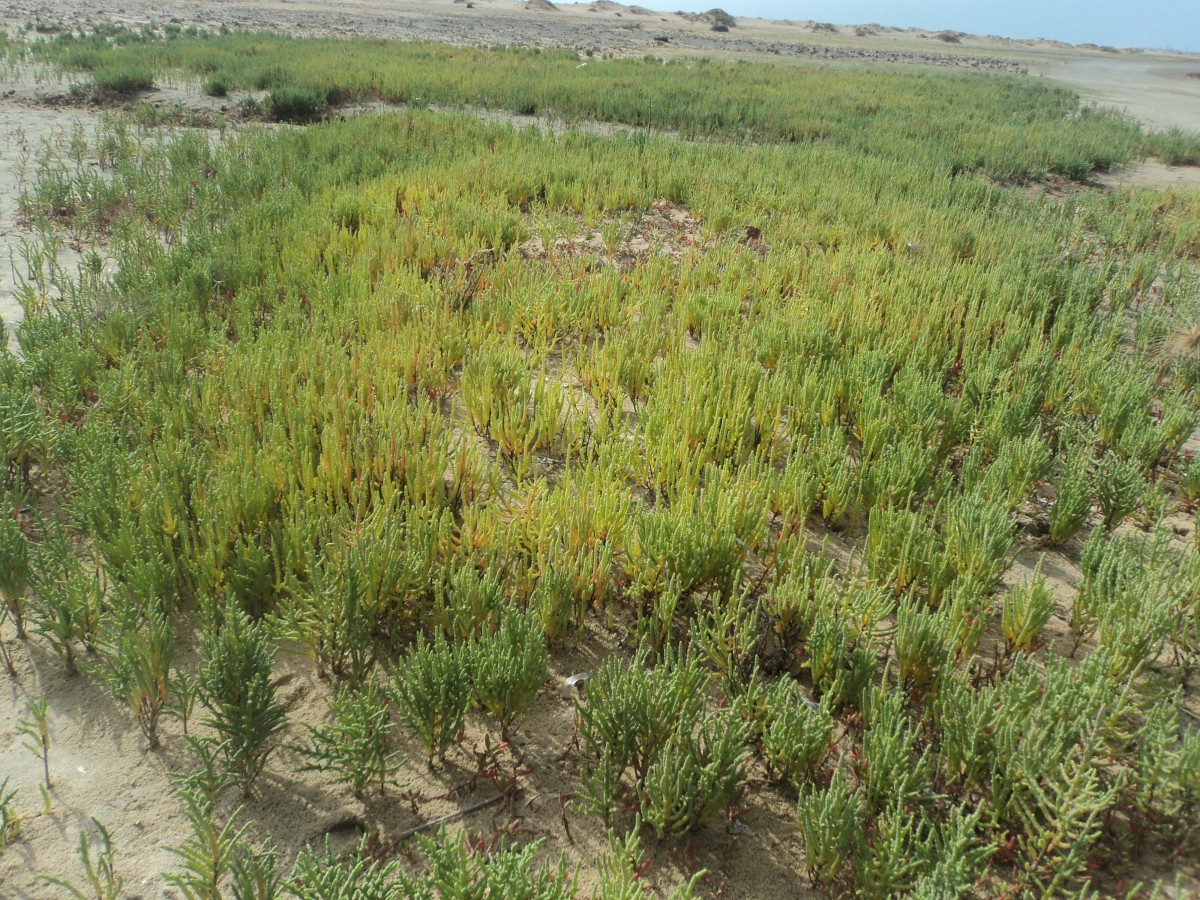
x,y
101,881
235,683
356,746
432,689
35,727
508,666
136,653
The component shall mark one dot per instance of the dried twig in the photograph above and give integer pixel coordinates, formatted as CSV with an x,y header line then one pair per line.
x,y
433,823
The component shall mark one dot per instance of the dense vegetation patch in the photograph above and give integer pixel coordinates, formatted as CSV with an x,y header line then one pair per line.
x,y
1008,127
414,394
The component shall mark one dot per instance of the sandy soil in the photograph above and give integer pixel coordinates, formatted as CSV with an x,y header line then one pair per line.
x,y
23,133
1156,91
605,29
100,766
1153,174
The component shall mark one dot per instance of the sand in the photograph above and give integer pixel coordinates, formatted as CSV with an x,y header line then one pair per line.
x,y
23,133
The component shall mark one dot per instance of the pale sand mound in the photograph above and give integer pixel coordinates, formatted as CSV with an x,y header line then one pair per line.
x,y
1153,174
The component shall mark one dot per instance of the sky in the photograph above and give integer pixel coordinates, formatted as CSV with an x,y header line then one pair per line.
x,y
1159,24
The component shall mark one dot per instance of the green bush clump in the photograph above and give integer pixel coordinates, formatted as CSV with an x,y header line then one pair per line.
x,y
508,666
356,746
432,689
294,104
1175,147
696,776
15,564
299,104
236,685
653,742
121,82
456,867
137,649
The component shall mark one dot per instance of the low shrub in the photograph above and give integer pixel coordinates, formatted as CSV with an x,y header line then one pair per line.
x,y
1175,147
121,82
292,104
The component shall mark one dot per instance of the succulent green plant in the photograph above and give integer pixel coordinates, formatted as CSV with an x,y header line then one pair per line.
x,y
15,566
356,746
236,686
101,881
832,826
508,667
695,777
34,725
1028,607
432,689
1073,505
135,664
10,819
630,713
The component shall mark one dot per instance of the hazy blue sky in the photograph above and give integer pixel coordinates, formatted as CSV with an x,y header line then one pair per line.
x,y
1169,24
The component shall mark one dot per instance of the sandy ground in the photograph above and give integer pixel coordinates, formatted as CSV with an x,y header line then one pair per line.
x,y
1157,92
1153,174
23,134
100,766
607,29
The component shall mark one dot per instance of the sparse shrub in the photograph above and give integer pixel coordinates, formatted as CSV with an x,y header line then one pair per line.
x,y
620,869
1189,482
432,689
136,654
208,854
10,819
472,603
35,727
65,609
1073,505
459,868
235,683
718,17
293,104
892,768
121,82
254,874
329,875
979,535
356,745
185,689
1119,487
1175,147
965,720
14,572
796,738
101,881
695,776
630,713
25,437
922,643
832,826
333,623
1027,609
508,666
